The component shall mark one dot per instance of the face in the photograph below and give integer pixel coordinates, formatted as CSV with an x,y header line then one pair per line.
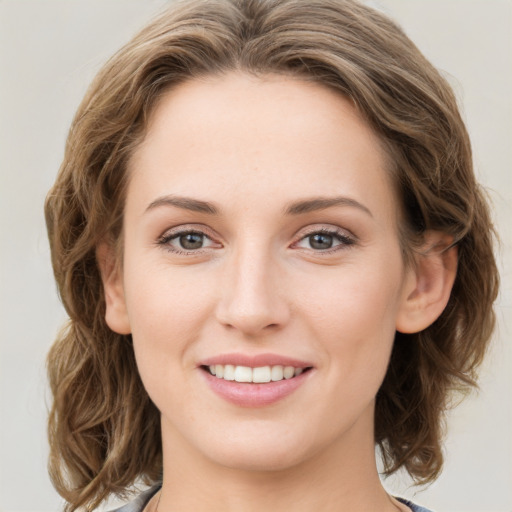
x,y
260,231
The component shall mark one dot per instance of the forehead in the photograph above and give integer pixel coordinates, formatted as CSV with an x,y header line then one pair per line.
x,y
274,136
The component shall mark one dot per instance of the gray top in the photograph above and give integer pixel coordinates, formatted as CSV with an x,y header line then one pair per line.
x,y
138,504
412,506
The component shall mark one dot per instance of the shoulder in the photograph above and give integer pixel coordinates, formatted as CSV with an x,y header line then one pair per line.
x,y
138,504
412,506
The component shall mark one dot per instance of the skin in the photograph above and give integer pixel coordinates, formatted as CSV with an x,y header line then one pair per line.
x,y
252,146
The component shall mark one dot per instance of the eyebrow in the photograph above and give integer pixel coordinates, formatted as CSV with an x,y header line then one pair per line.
x,y
185,203
322,203
295,208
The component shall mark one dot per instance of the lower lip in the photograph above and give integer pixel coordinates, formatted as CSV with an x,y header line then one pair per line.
x,y
245,394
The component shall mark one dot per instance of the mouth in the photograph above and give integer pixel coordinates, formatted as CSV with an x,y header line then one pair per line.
x,y
255,380
254,375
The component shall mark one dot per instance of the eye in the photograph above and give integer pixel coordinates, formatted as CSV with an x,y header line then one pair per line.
x,y
325,240
186,241
190,241
321,241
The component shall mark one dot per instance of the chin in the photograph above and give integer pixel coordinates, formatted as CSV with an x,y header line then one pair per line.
x,y
260,447
256,459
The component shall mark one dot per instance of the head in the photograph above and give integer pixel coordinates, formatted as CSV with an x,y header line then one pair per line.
x,y
352,53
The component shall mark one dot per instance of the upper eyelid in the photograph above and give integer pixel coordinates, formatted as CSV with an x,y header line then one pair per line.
x,y
332,230
315,228
187,228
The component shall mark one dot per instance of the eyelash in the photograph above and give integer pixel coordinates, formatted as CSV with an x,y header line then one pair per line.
x,y
167,237
346,240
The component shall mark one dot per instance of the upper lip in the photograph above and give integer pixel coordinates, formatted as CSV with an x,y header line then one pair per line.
x,y
255,360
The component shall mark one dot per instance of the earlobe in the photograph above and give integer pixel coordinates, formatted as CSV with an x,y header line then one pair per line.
x,y
116,314
429,284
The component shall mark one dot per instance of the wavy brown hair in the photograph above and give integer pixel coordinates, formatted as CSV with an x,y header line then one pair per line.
x,y
103,429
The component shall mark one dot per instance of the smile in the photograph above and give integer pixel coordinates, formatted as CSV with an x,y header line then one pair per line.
x,y
258,375
255,380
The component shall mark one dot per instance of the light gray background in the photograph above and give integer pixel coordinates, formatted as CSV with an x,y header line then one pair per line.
x,y
49,52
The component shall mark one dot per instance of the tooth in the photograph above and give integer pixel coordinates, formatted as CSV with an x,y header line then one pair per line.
x,y
277,373
288,372
229,372
243,374
261,374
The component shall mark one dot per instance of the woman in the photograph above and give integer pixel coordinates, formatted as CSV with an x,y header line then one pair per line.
x,y
269,239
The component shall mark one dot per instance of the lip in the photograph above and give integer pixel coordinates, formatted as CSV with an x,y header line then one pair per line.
x,y
244,394
255,360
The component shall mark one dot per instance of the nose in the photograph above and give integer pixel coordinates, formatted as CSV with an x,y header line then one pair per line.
x,y
252,300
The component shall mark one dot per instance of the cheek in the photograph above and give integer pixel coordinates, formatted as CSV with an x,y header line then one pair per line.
x,y
167,311
352,317
162,302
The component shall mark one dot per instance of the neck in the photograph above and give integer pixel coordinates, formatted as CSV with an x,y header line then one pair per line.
x,y
343,477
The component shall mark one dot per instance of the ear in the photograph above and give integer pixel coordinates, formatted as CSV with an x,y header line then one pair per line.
x,y
428,284
116,314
